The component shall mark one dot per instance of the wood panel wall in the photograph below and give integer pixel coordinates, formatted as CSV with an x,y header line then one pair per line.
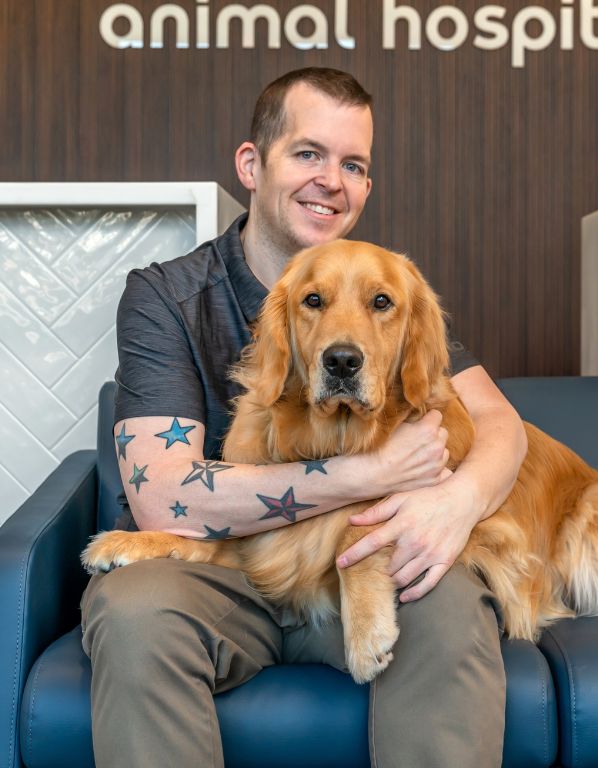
x,y
482,172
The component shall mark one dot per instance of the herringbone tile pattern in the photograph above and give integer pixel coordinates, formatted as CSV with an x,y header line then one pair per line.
x,y
62,273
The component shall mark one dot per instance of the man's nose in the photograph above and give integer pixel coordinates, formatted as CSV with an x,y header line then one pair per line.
x,y
330,177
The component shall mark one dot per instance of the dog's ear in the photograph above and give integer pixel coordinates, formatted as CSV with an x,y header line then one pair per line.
x,y
425,355
265,364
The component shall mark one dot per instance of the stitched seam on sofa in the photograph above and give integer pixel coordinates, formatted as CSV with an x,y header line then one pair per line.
x,y
32,707
21,623
542,669
372,723
18,664
574,745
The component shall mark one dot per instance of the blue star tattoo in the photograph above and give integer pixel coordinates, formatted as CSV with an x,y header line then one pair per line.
x,y
122,441
175,434
213,534
179,510
138,476
315,466
285,507
205,471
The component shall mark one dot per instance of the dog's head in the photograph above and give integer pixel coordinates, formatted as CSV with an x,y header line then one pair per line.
x,y
348,323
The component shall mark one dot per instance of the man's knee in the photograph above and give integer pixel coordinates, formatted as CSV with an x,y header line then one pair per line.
x,y
132,606
460,613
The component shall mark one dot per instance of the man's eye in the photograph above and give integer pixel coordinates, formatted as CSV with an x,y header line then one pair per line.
x,y
307,154
382,302
353,168
313,300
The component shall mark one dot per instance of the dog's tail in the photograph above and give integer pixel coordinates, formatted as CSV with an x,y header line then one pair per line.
x,y
577,558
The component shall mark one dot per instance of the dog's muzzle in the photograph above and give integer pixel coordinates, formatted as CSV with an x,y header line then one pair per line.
x,y
342,361
340,382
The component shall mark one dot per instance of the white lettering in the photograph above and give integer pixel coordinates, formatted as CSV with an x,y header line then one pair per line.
x,y
567,26
133,38
522,42
458,37
341,34
390,15
202,26
318,38
534,28
589,14
248,18
483,21
159,16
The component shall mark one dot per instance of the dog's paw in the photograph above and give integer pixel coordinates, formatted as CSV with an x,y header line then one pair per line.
x,y
113,549
370,654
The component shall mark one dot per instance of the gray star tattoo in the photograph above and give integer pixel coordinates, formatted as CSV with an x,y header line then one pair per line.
x,y
205,471
315,466
214,534
138,476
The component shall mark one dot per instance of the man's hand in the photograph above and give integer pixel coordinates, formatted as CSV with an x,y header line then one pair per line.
x,y
414,456
429,529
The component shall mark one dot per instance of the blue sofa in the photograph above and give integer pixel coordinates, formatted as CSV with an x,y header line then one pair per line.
x,y
287,716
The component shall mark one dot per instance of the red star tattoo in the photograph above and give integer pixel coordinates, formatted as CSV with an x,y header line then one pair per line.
x,y
285,507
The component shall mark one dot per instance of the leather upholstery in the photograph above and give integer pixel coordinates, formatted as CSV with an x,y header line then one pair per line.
x,y
571,647
291,716
41,583
565,407
41,580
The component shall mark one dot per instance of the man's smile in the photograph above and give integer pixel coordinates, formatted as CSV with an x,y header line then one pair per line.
x,y
323,210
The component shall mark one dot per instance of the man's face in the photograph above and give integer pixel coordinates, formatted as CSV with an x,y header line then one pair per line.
x,y
315,182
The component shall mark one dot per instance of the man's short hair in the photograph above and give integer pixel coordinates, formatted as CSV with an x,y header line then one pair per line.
x,y
269,117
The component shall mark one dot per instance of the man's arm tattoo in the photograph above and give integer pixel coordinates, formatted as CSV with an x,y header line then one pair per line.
x,y
122,440
179,510
285,507
205,471
315,466
138,476
175,434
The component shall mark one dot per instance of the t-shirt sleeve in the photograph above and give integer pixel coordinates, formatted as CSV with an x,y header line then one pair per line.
x,y
156,374
460,358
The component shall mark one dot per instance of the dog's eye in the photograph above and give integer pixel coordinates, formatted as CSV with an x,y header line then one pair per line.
x,y
313,300
382,302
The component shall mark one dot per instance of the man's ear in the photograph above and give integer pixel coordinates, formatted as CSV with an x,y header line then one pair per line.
x,y
246,162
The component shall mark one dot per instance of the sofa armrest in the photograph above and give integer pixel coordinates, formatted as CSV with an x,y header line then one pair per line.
x,y
41,578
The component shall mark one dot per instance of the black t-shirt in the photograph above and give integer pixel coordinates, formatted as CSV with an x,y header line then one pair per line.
x,y
182,324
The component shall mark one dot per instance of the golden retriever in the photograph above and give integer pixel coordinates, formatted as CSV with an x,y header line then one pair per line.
x,y
350,343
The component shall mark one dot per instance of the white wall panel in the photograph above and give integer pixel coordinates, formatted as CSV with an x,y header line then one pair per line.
x,y
62,272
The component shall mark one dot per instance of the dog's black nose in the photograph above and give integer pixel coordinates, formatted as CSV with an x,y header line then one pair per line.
x,y
342,360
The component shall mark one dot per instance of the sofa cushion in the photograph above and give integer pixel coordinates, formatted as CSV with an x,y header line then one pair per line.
x,y
309,715
571,647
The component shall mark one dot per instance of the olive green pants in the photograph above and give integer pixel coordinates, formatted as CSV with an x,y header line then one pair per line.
x,y
164,635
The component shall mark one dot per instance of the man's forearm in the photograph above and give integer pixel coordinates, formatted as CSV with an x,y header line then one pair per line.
x,y
216,499
491,467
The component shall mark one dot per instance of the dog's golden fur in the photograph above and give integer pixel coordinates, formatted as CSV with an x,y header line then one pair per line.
x,y
538,552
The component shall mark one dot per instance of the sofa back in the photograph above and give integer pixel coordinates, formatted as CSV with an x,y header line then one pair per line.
x,y
565,407
110,486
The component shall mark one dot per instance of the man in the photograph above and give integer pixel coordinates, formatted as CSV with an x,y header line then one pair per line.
x,y
164,635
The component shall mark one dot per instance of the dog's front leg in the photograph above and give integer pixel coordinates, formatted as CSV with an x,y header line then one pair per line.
x,y
368,611
117,548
